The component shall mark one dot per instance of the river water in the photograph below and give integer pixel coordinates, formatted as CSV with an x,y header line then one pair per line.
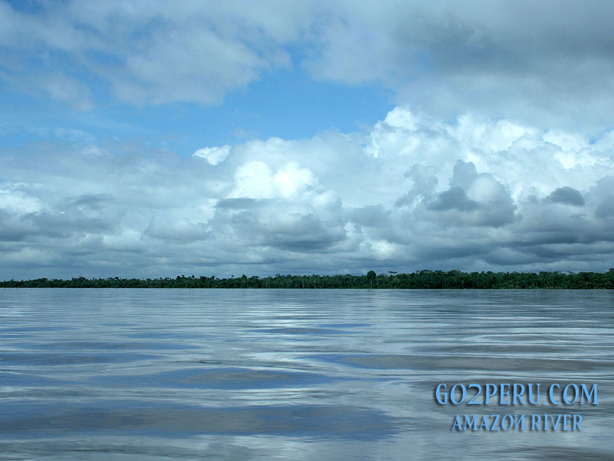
x,y
298,374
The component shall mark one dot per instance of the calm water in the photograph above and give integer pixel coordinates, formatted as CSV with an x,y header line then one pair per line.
x,y
299,375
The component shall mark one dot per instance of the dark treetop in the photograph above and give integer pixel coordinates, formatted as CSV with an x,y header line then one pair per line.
x,y
420,279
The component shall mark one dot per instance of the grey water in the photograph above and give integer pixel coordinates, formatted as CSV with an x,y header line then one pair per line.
x,y
99,374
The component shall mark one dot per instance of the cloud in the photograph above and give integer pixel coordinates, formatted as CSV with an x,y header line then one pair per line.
x,y
498,155
567,196
542,63
454,198
411,192
178,230
213,155
470,192
149,54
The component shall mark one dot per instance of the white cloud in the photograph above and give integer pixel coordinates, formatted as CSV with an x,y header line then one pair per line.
x,y
505,162
151,53
293,180
213,155
413,192
254,180
19,202
548,63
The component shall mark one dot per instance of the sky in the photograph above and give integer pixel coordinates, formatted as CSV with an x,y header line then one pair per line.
x,y
160,138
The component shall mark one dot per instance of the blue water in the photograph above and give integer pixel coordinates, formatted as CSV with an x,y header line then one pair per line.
x,y
294,374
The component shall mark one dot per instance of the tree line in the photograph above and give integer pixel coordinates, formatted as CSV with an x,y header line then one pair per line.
x,y
424,279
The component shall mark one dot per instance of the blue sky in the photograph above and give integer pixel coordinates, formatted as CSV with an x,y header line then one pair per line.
x,y
160,138
286,104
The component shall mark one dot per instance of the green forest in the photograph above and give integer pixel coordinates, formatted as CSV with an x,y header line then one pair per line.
x,y
424,279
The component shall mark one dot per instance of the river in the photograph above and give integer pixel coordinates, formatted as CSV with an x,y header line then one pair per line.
x,y
122,374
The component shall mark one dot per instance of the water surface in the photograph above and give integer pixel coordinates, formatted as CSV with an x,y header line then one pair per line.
x,y
293,374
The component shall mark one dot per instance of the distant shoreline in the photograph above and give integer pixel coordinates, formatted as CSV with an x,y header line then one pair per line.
x,y
424,279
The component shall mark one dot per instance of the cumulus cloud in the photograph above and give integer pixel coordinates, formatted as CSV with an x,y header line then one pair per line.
x,y
504,160
481,198
454,198
567,195
213,155
412,192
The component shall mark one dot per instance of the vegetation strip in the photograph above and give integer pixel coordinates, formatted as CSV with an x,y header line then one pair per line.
x,y
424,279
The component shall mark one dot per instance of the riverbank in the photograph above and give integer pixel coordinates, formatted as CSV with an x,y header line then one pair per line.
x,y
424,279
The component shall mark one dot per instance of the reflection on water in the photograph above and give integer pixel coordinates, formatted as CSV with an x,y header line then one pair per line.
x,y
292,374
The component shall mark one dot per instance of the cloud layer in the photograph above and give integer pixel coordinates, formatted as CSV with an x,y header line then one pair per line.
x,y
499,153
412,192
547,63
